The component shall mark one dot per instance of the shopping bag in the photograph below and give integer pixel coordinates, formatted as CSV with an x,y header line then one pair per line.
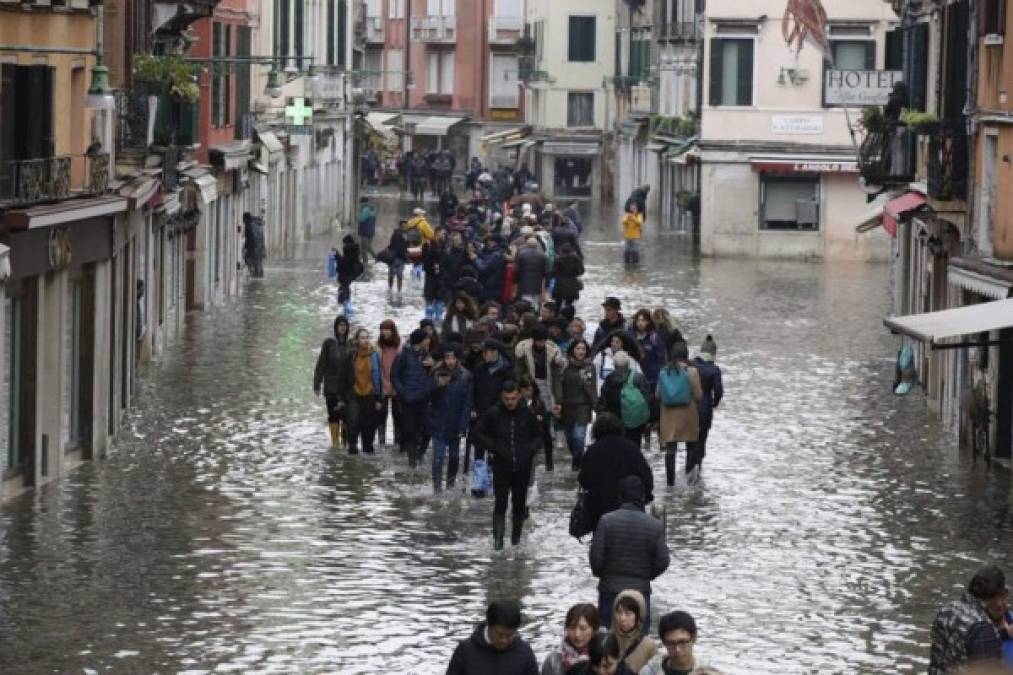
x,y
481,478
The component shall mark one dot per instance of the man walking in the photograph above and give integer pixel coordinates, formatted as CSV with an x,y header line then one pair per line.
x,y
713,391
411,380
510,433
253,245
531,270
971,629
628,551
495,646
367,229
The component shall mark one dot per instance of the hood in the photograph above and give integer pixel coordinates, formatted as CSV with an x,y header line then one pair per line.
x,y
341,320
638,598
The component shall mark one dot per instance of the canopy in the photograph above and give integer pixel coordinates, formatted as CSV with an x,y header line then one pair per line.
x,y
437,125
934,327
873,216
572,148
378,118
896,208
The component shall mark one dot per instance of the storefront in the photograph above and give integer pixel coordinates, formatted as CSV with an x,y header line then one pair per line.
x,y
570,168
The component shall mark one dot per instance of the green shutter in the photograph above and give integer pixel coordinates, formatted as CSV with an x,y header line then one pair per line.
x,y
717,67
745,73
870,55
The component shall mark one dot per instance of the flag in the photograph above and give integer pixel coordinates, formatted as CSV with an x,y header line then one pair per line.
x,y
806,20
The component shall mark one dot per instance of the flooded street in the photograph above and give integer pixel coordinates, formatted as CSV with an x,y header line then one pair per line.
x,y
222,535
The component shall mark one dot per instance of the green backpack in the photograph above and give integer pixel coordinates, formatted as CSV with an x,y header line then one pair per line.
x,y
635,410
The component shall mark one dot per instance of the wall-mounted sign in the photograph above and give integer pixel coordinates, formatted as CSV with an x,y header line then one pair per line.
x,y
796,124
859,88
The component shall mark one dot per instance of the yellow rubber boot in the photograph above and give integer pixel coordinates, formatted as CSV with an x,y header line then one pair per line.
x,y
335,429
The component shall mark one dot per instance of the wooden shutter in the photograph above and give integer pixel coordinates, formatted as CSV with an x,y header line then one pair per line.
x,y
916,40
36,123
745,73
870,55
8,111
717,68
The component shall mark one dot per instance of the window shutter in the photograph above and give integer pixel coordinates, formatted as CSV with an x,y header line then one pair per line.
x,y
717,67
870,55
1001,23
916,66
37,120
745,73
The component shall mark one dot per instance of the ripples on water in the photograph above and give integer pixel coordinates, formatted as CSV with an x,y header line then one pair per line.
x,y
224,536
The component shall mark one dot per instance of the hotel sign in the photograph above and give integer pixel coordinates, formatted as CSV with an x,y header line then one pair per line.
x,y
859,88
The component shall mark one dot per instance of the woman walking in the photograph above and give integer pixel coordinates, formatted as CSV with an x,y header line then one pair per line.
x,y
362,389
329,373
398,255
679,391
389,344
579,399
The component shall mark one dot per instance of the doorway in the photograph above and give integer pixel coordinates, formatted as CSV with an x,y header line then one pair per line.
x,y
23,347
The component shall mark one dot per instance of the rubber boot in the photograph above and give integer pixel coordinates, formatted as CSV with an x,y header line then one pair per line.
x,y
335,430
498,530
670,467
516,527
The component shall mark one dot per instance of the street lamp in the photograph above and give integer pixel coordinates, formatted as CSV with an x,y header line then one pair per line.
x,y
100,94
273,88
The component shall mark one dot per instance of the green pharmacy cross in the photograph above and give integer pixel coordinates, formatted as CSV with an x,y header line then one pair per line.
x,y
299,112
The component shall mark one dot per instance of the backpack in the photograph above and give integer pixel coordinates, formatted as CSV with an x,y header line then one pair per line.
x,y
414,236
675,387
635,410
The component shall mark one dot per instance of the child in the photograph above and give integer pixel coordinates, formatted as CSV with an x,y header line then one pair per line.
x,y
633,226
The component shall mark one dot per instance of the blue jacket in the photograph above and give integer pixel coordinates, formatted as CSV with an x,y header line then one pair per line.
x,y
491,266
713,389
367,221
410,378
654,358
450,406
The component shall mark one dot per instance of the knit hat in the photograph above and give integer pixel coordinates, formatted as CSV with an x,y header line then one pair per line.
x,y
709,346
417,337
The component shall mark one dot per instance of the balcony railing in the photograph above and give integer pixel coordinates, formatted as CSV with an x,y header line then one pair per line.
x,y
375,29
51,179
175,119
948,161
681,31
887,156
435,29
505,30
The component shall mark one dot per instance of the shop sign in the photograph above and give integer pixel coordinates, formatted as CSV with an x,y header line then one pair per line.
x,y
796,124
859,88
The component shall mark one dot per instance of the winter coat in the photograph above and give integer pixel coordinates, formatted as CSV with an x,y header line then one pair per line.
x,y
331,363
451,263
510,436
471,287
367,220
682,423
669,337
488,382
654,355
491,266
410,378
568,270
398,246
475,656
606,462
564,234
524,364
434,286
347,387
603,366
531,267
253,243
579,393
448,204
628,550
712,388
574,216
962,632
349,264
424,228
633,226
612,392
387,357
450,405
606,327
656,665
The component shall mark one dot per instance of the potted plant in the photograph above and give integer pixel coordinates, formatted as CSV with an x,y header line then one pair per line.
x,y
872,120
525,46
920,122
171,74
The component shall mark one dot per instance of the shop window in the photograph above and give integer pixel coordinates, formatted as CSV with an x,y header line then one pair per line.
x,y
731,71
582,39
790,203
573,177
580,109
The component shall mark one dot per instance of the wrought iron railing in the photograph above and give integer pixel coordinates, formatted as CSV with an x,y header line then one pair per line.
x,y
887,155
948,161
434,28
175,119
51,179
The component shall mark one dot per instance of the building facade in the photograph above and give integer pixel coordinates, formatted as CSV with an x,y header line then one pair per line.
x,y
769,137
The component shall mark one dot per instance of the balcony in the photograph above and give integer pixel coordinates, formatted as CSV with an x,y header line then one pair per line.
x,y
526,72
502,101
887,155
51,179
175,119
435,29
681,31
948,161
375,30
504,31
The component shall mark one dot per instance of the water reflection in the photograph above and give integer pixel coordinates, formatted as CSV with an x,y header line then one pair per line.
x,y
223,535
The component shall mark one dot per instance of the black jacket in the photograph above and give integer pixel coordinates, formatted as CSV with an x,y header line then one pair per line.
x,y
713,388
605,327
488,381
531,267
568,270
398,245
511,436
475,656
606,462
628,550
331,366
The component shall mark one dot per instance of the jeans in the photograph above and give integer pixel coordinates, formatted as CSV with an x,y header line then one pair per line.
x,y
391,406
413,428
512,485
605,601
441,447
395,271
361,421
576,437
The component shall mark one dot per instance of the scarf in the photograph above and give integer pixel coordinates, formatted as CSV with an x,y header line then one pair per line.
x,y
572,655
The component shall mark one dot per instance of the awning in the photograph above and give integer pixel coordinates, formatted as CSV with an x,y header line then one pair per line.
x,y
509,145
981,277
437,125
140,191
804,163
895,209
67,211
270,142
572,148
258,167
379,119
170,204
510,135
935,327
208,188
873,216
230,156
656,147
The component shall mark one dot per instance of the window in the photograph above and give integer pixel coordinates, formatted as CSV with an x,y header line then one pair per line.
x,y
395,61
440,8
992,17
539,41
440,79
581,39
640,56
330,33
72,366
374,69
504,89
731,76
573,176
853,54
509,8
396,8
894,50
373,8
580,109
789,203
281,27
221,79
26,118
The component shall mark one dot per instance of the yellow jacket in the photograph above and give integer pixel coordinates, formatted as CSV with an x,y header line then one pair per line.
x,y
633,225
425,229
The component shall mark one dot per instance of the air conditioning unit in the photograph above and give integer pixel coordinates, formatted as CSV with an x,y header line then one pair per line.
x,y
807,213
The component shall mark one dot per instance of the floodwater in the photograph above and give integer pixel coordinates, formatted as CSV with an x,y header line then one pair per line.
x,y
222,535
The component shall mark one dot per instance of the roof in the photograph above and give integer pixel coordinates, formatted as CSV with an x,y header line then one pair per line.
x,y
935,327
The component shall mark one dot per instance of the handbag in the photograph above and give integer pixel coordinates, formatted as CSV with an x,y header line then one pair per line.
x,y
580,524
385,256
481,478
